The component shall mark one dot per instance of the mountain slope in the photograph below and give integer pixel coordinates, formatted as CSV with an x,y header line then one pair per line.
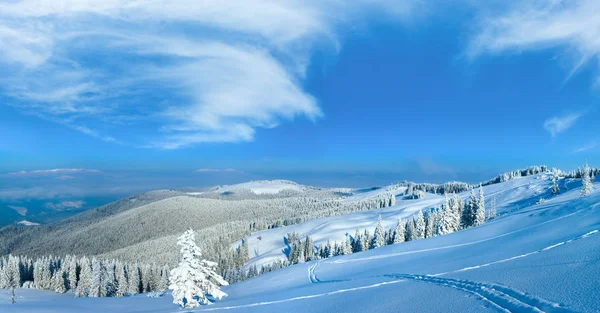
x,y
532,258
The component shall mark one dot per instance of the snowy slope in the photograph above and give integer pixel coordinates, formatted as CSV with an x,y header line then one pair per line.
x,y
260,187
532,258
269,245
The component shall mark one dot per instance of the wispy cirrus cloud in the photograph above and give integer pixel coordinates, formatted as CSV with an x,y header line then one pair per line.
x,y
56,171
571,26
65,205
216,170
587,147
558,124
196,71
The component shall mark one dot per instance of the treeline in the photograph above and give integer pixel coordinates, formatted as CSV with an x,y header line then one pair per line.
x,y
453,215
82,276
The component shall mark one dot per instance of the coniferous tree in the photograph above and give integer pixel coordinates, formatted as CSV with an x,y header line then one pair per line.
x,y
468,216
72,274
365,240
555,188
479,214
400,232
491,212
410,230
447,220
193,279
419,226
378,236
430,224
164,279
586,187
133,278
122,283
357,242
309,249
347,246
58,282
84,284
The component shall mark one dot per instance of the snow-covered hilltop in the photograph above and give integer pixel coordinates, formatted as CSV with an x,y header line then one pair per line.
x,y
537,255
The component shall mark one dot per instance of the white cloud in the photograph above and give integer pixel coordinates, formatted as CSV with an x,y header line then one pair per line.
x,y
55,171
572,26
587,147
21,210
215,70
65,205
559,124
216,170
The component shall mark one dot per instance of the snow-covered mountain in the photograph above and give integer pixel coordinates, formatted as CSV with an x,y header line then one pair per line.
x,y
536,256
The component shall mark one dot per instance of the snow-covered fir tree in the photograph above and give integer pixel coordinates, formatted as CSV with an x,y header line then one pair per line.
x,y
586,181
491,212
72,275
379,235
468,215
410,230
447,222
133,279
555,187
122,284
430,224
479,214
163,283
84,285
419,225
58,282
357,242
399,232
193,279
309,249
347,248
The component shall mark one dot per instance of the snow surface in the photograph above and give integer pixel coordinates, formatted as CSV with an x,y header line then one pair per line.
x,y
532,258
260,187
268,246
27,223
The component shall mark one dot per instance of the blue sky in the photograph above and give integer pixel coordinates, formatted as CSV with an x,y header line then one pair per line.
x,y
322,92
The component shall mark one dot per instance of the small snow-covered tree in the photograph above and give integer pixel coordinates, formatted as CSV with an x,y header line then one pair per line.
x,y
347,248
479,214
357,242
379,235
309,249
491,212
193,279
419,226
85,278
400,232
467,217
133,279
163,284
555,188
72,276
430,224
58,282
447,221
586,181
410,230
122,283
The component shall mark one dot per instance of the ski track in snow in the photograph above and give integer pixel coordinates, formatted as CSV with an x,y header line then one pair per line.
x,y
383,256
318,295
502,298
518,256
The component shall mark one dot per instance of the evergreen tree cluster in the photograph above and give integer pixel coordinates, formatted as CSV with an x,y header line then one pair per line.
x,y
452,216
82,276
